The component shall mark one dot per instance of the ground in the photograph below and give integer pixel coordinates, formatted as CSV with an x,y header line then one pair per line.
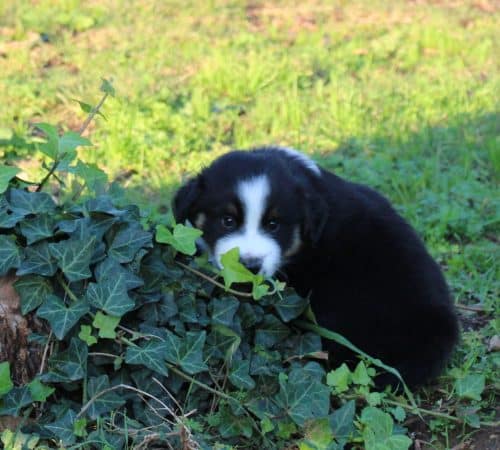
x,y
401,95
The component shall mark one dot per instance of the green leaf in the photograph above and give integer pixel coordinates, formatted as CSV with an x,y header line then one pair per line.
x,y
10,254
62,428
339,379
471,386
8,218
152,355
377,431
302,398
290,307
183,238
51,146
38,260
61,317
240,377
6,174
342,422
87,108
110,268
223,310
5,382
270,331
39,391
70,365
73,257
80,427
37,228
15,440
107,87
86,335
186,352
106,325
233,271
317,435
15,400
24,202
94,178
33,290
109,401
69,141
128,241
360,375
111,296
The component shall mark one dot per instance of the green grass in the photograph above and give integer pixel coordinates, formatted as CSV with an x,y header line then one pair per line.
x,y
400,95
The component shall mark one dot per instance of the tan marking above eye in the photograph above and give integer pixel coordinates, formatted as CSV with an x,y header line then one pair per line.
x,y
199,220
296,243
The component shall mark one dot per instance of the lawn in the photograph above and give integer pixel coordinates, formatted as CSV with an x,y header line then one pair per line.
x,y
400,95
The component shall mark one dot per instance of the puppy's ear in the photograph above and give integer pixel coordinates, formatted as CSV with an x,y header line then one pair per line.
x,y
315,217
185,198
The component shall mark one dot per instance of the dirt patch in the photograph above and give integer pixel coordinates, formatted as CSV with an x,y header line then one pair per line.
x,y
24,356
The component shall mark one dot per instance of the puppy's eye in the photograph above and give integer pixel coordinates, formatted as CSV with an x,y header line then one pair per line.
x,y
272,225
228,221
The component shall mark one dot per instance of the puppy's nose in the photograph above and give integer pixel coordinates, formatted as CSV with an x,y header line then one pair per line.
x,y
253,264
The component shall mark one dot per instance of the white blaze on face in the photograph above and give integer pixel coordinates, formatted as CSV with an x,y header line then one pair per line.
x,y
251,239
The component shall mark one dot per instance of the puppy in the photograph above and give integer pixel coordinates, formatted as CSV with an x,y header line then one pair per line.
x,y
367,273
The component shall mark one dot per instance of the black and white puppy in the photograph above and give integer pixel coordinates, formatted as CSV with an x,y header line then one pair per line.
x,y
368,275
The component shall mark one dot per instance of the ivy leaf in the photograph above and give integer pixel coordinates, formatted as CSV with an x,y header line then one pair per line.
x,y
5,382
128,241
107,87
302,398
86,335
110,268
150,355
111,296
51,146
290,307
37,228
10,254
62,428
183,238
233,271
186,352
24,202
69,141
73,256
39,391
70,365
378,431
106,325
86,108
339,379
16,399
360,375
38,260
93,177
240,377
270,331
471,386
33,290
223,310
342,422
104,403
8,218
6,174
61,317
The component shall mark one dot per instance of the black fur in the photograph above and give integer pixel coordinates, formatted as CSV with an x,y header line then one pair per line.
x,y
368,274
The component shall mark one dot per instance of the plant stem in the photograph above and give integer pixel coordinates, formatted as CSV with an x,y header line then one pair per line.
x,y
57,161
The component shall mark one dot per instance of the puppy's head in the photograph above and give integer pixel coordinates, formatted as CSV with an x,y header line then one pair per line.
x,y
262,201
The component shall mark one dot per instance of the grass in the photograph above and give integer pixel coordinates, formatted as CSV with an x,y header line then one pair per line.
x,y
400,95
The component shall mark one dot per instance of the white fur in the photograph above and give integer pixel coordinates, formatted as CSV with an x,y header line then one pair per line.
x,y
307,162
252,241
